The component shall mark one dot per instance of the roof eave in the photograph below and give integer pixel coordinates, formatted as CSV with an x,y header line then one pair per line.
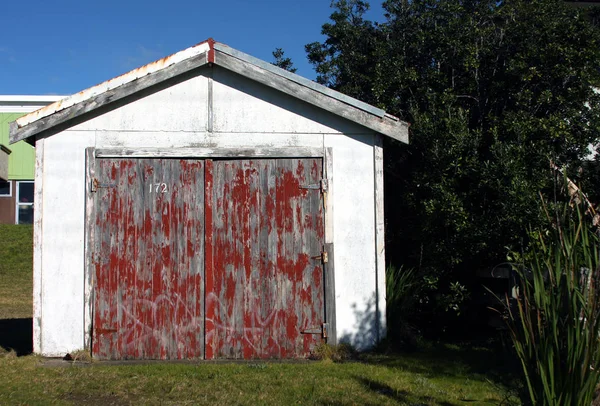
x,y
62,115
62,111
313,93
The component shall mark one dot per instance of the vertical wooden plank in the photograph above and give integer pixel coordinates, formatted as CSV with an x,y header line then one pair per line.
x,y
90,168
38,245
209,291
160,276
330,317
124,290
97,213
209,101
119,203
103,258
141,275
328,164
379,239
311,226
134,304
260,248
188,247
254,272
143,333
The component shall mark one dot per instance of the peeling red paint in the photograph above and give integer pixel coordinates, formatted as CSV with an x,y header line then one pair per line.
x,y
209,325
149,287
211,50
263,238
217,264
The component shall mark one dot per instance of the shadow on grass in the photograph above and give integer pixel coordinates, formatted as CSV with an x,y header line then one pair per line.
x,y
451,361
493,365
17,334
383,389
395,395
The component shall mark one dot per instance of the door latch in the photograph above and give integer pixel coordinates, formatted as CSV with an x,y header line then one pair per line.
x,y
323,257
322,186
97,185
322,330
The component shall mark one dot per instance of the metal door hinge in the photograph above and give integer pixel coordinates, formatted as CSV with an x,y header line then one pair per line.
x,y
97,185
323,257
106,330
322,186
317,330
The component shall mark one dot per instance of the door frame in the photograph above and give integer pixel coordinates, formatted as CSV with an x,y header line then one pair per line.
x,y
93,153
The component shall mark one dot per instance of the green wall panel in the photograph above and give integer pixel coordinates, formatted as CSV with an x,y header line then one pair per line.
x,y
21,162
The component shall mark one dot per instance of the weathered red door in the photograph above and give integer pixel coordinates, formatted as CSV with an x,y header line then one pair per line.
x,y
148,259
264,275
241,237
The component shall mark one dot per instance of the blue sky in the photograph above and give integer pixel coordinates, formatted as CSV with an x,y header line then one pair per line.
x,y
64,46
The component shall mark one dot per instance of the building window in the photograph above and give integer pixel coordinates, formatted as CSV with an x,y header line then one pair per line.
x,y
24,212
5,188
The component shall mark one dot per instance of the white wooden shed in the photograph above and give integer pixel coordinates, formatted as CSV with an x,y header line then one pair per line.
x,y
207,205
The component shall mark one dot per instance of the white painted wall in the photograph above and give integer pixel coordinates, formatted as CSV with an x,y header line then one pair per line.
x,y
354,237
62,259
244,114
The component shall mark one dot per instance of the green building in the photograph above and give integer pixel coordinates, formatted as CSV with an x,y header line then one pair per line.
x,y
17,161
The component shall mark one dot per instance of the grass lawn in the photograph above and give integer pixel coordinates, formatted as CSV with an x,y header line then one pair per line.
x,y
407,379
442,376
16,258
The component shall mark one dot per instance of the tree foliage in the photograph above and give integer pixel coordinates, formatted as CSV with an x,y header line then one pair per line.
x,y
494,90
282,61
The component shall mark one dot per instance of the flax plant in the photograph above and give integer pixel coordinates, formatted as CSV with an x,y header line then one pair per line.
x,y
555,320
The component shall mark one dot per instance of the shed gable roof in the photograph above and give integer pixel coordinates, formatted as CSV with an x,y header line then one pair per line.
x,y
207,52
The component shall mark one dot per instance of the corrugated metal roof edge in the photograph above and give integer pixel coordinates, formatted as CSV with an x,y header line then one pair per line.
x,y
206,47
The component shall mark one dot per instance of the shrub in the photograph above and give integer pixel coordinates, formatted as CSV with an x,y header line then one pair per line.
x,y
402,290
555,321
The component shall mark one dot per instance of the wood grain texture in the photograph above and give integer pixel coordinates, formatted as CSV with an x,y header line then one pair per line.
x,y
206,258
210,101
328,167
209,270
266,287
266,152
330,315
90,221
380,292
38,246
149,259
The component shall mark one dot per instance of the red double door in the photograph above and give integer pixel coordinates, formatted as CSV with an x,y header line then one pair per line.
x,y
206,258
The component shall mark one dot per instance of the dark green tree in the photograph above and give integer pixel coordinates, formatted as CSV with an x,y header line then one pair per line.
x,y
494,90
282,61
